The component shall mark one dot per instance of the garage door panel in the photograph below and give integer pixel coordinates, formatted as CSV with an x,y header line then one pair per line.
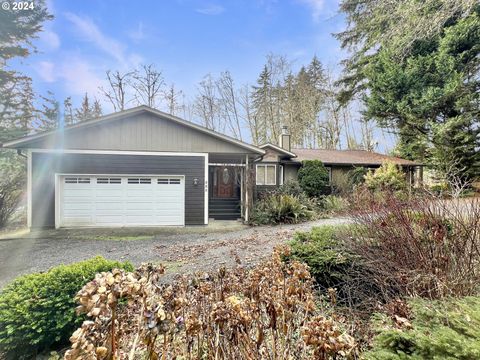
x,y
140,206
103,220
109,193
79,193
122,201
109,206
165,207
86,205
78,221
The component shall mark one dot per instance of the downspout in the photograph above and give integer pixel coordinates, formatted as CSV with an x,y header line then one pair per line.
x,y
247,173
19,152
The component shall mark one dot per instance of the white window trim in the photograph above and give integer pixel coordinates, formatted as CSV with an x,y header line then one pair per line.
x,y
265,179
282,174
329,169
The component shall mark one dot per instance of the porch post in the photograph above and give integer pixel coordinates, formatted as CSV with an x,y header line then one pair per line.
x,y
247,184
242,186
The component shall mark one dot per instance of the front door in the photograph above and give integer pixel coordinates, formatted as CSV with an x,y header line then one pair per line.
x,y
225,182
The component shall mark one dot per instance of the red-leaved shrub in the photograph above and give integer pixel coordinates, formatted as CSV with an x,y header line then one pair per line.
x,y
422,246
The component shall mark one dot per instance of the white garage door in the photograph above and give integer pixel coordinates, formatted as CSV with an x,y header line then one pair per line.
x,y
121,200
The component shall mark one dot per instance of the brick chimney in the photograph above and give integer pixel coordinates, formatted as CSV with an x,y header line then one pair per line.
x,y
284,140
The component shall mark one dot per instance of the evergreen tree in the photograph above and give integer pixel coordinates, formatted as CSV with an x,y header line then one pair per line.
x,y
96,109
416,67
50,113
432,98
68,117
18,28
16,95
261,96
83,112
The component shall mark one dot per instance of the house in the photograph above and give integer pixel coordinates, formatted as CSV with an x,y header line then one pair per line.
x,y
143,167
338,162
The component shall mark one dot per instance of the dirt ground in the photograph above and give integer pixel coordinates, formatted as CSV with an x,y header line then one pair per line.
x,y
180,250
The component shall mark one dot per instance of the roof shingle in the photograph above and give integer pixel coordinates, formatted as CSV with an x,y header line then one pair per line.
x,y
348,157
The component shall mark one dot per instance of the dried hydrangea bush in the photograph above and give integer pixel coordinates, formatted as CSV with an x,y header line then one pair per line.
x,y
266,312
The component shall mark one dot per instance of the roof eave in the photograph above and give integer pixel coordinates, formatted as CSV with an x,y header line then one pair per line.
x,y
352,164
279,149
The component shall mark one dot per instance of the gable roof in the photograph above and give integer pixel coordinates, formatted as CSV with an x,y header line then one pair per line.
x,y
22,142
278,149
349,157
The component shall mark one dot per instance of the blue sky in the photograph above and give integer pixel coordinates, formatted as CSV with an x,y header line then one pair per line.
x,y
186,39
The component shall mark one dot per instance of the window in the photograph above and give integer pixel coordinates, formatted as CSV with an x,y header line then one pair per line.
x,y
75,180
266,175
168,181
329,169
280,180
109,181
139,181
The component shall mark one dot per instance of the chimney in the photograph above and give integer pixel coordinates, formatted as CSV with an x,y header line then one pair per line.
x,y
284,141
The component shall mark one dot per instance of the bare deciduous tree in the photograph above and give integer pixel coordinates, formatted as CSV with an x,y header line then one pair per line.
x,y
116,93
228,102
148,85
206,104
248,117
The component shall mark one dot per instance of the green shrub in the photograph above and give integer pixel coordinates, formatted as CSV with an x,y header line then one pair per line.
x,y
37,311
291,187
319,249
334,204
313,178
333,266
448,329
357,175
439,188
278,209
386,177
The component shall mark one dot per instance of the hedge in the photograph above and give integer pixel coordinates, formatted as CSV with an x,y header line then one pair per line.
x,y
37,311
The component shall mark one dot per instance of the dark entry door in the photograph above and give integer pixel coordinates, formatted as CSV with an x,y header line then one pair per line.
x,y
225,182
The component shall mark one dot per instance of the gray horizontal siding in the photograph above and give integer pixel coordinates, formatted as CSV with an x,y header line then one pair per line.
x,y
141,132
44,167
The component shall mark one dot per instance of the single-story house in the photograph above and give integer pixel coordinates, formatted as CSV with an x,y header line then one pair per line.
x,y
143,167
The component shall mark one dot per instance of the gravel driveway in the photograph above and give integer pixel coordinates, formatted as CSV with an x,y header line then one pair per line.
x,y
181,253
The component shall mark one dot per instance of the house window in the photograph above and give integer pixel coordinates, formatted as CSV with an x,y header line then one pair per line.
x,y
329,169
266,175
109,181
280,180
74,180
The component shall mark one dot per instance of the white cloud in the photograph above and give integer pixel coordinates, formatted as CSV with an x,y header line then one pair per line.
x,y
211,9
317,7
137,34
46,71
50,39
79,76
91,32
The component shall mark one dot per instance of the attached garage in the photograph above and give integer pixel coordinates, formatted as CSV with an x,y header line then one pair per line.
x,y
137,167
117,189
106,200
